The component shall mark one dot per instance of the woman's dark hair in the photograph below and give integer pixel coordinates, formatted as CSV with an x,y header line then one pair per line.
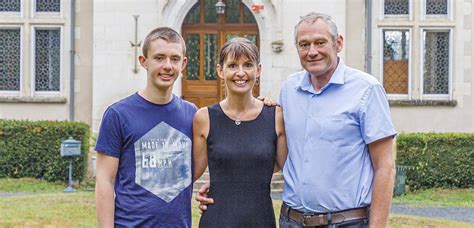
x,y
236,48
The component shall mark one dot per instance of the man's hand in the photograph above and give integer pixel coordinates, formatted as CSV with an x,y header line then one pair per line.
x,y
268,102
201,197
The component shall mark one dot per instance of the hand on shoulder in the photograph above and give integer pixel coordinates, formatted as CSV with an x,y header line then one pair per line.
x,y
268,102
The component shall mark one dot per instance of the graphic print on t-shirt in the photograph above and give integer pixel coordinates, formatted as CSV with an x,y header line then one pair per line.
x,y
163,161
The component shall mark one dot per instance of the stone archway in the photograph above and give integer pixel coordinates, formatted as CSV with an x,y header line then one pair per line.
x,y
268,21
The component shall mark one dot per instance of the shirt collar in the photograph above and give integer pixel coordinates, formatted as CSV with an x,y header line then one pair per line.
x,y
336,78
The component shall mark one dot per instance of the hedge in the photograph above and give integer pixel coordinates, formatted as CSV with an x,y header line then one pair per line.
x,y
32,149
437,160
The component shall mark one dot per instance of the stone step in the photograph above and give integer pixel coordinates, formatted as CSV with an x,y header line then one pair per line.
x,y
277,176
277,184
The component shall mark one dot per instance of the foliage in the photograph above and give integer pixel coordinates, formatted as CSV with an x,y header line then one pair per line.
x,y
437,160
93,140
32,149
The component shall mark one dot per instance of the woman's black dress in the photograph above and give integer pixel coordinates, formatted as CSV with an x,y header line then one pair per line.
x,y
241,159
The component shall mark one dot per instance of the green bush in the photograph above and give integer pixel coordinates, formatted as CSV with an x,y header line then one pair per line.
x,y
32,149
437,160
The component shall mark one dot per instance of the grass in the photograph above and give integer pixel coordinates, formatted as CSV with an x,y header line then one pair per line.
x,y
48,210
46,205
29,185
438,197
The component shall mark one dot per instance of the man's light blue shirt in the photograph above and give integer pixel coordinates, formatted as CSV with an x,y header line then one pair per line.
x,y
328,166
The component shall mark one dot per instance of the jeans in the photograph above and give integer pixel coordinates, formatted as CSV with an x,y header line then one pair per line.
x,y
359,223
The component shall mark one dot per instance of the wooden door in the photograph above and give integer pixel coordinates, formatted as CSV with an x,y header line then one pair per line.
x,y
204,33
200,83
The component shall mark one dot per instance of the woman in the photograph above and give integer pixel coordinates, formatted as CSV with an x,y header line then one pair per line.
x,y
242,140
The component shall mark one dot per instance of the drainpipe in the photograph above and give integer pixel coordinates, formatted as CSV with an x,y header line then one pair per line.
x,y
368,56
72,53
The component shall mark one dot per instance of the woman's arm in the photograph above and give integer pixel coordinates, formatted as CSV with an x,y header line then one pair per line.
x,y
282,149
200,132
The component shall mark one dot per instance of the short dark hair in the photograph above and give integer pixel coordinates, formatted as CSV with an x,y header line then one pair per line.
x,y
236,48
165,33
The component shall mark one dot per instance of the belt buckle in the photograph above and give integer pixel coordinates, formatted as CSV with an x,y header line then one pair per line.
x,y
308,216
305,216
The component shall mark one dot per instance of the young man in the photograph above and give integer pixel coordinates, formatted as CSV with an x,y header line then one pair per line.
x,y
339,135
144,146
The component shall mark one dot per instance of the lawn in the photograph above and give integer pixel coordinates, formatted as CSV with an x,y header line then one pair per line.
x,y
438,197
45,205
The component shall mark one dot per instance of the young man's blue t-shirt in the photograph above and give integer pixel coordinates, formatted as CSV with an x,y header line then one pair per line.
x,y
153,186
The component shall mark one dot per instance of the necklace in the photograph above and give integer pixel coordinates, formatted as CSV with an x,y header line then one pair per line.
x,y
237,120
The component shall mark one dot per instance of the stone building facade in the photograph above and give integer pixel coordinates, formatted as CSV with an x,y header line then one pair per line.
x,y
420,50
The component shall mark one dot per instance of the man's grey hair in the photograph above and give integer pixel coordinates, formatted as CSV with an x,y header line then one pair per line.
x,y
313,17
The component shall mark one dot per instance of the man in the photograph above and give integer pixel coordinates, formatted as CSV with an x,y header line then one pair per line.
x,y
339,135
144,146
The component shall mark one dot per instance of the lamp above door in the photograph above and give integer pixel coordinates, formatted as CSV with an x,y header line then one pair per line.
x,y
220,7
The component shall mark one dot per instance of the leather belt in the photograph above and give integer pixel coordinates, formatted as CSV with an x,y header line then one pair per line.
x,y
316,219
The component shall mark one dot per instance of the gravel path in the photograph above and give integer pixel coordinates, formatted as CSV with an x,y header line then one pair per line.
x,y
465,214
10,194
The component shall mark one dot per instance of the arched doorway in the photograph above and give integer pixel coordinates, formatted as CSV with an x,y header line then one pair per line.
x,y
205,32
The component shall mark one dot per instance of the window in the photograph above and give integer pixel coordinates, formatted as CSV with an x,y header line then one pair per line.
x,y
47,59
396,54
423,72
47,6
10,6
436,64
25,39
10,59
396,7
436,7
192,68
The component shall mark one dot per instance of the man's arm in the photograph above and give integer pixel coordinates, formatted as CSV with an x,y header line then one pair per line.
x,y
384,169
268,102
107,167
